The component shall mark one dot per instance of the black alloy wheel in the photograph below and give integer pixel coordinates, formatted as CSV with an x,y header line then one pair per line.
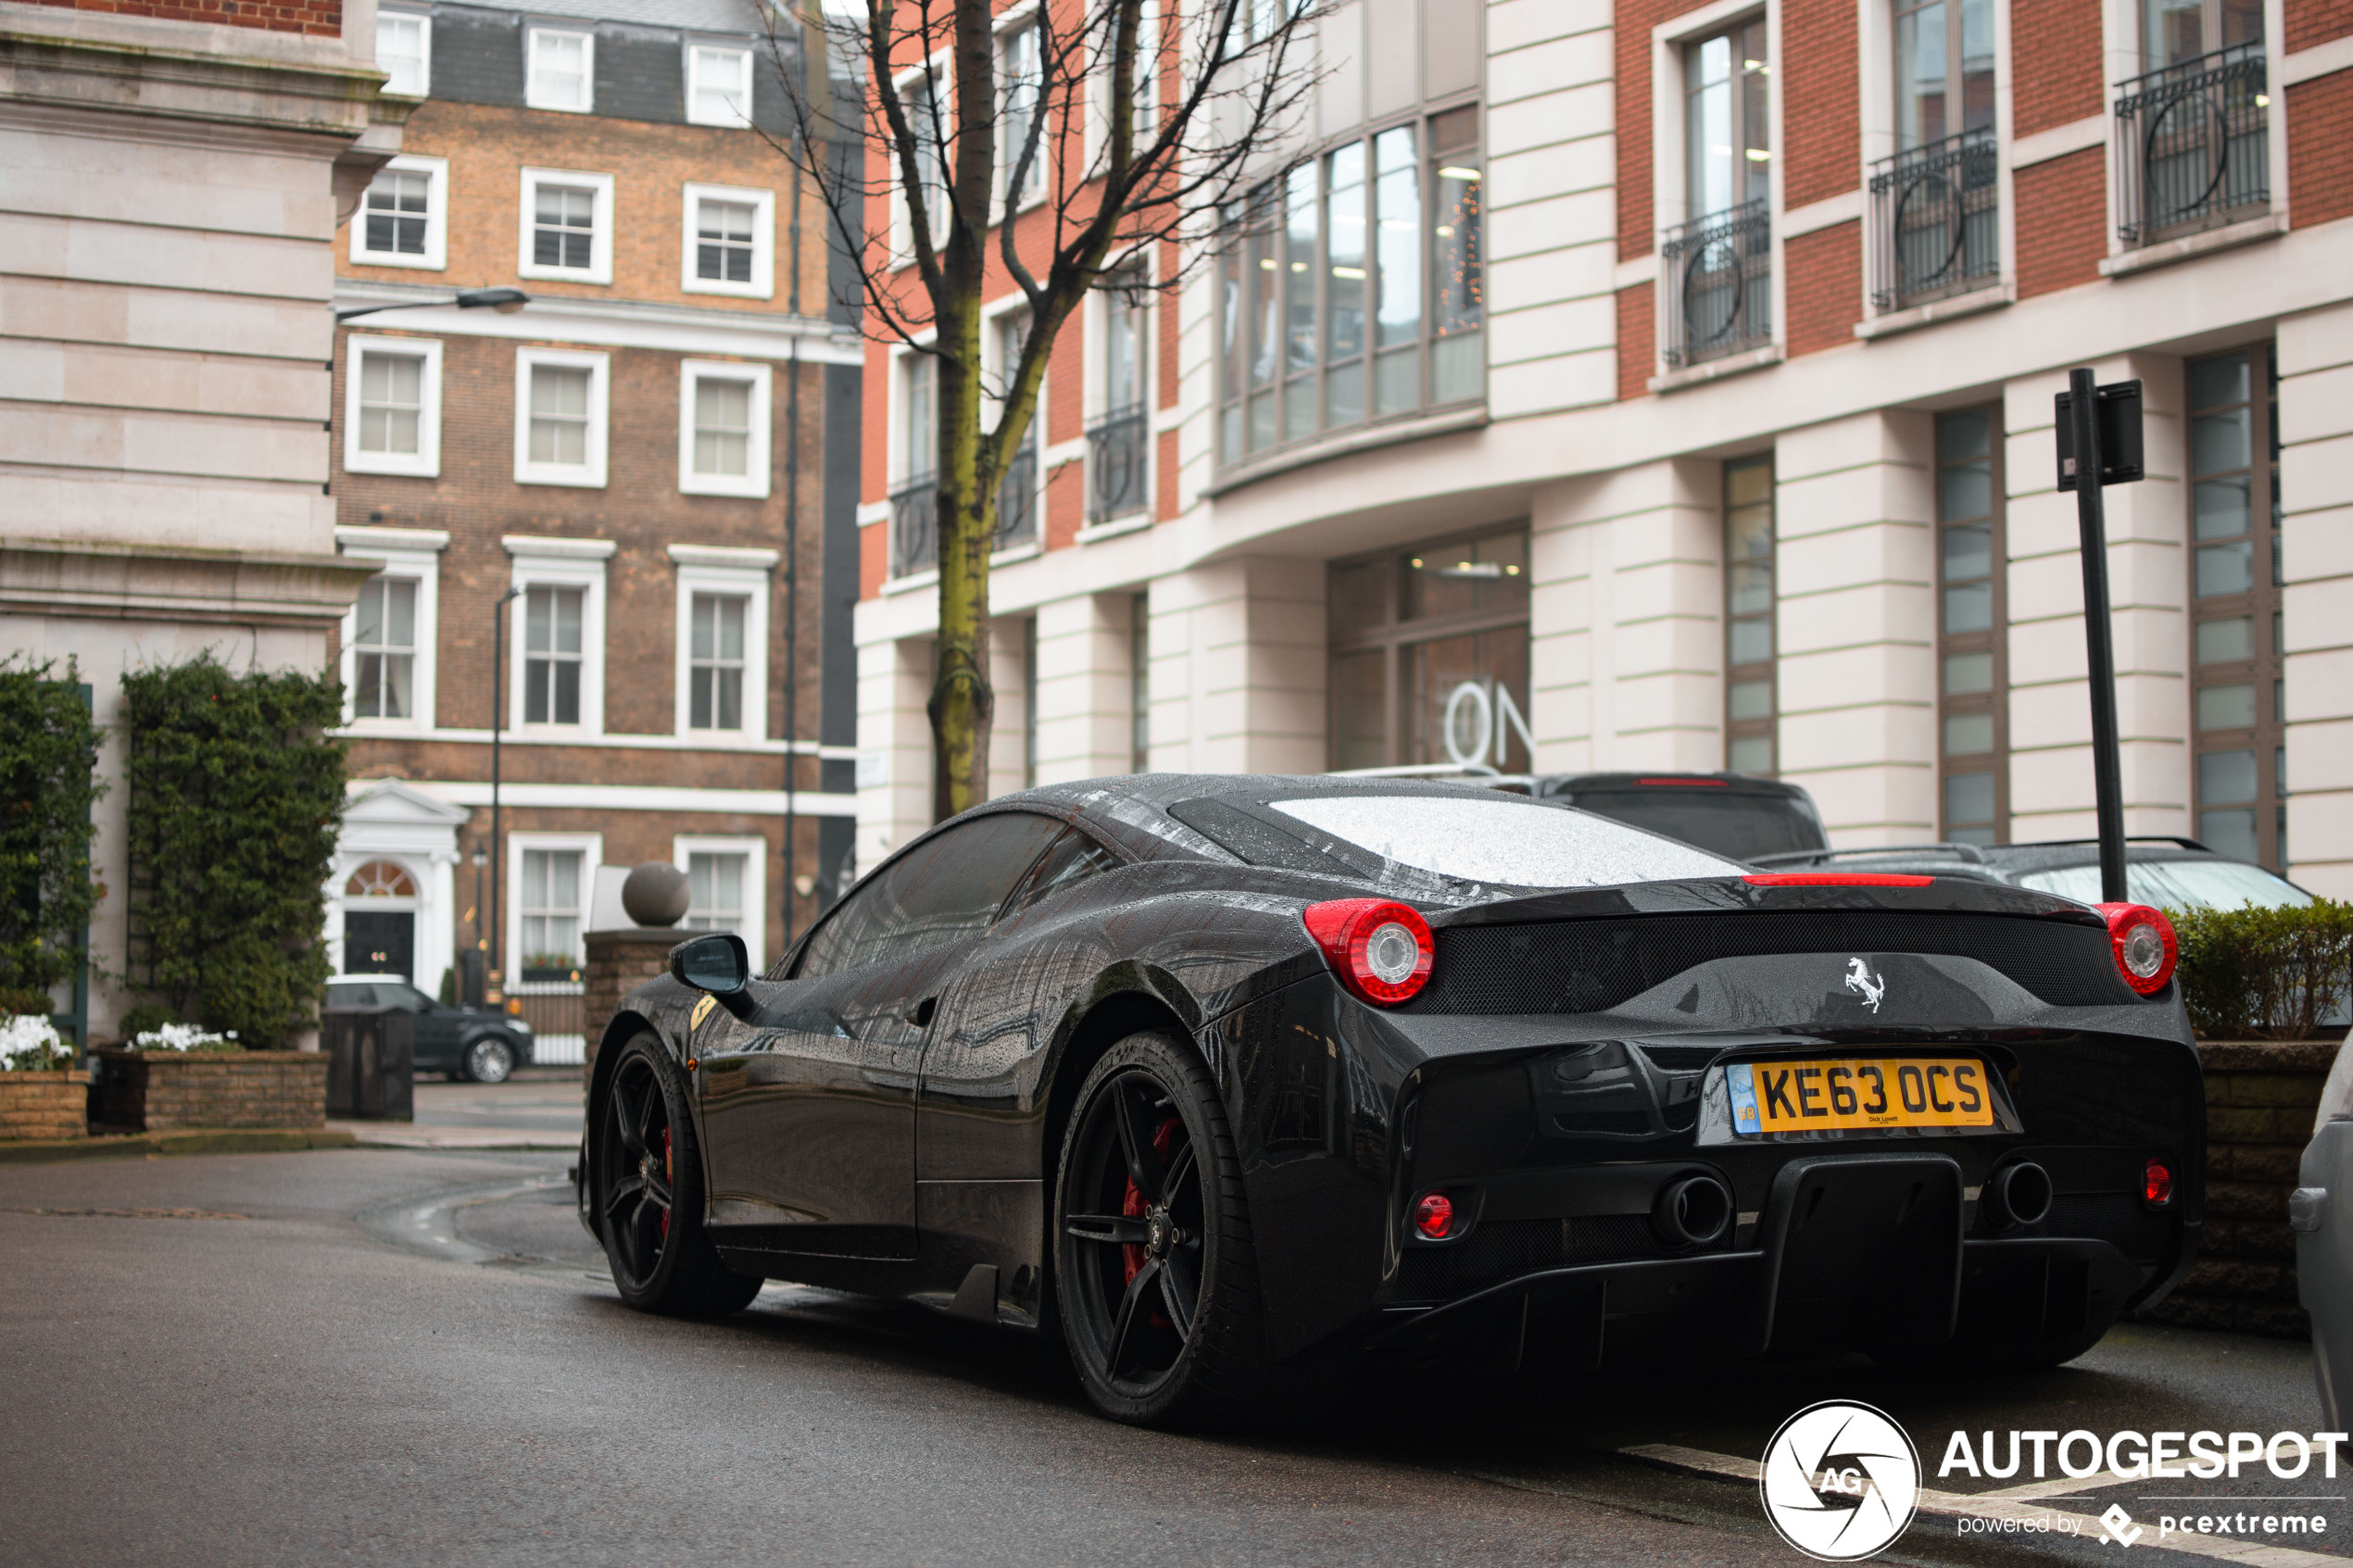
x,y
490,1060
648,1193
1158,1288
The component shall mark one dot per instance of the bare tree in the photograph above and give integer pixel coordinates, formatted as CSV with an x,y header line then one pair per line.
x,y
1129,127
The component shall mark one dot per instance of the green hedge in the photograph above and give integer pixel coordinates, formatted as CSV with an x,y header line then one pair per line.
x,y
2265,975
48,782
237,794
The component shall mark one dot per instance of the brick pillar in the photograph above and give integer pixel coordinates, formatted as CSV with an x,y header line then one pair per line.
x,y
619,961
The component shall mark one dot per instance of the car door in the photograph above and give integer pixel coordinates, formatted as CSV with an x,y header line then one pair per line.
x,y
809,1112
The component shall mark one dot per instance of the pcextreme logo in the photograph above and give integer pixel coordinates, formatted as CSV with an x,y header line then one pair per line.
x,y
1841,1481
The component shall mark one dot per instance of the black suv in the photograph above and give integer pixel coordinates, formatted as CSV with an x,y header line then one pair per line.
x,y
475,1043
2169,874
1734,814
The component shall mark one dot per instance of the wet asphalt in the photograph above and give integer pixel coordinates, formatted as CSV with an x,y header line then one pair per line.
x,y
415,1356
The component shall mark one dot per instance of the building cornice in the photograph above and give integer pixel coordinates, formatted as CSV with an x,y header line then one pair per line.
x,y
178,583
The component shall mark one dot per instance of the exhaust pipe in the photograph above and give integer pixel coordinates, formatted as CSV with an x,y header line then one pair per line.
x,y
2020,1194
1695,1210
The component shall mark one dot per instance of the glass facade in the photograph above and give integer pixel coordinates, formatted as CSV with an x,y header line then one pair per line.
x,y
1749,706
2237,685
1429,656
1971,648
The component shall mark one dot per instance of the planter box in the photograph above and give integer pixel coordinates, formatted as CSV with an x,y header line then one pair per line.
x,y
52,1104
2261,1097
162,1091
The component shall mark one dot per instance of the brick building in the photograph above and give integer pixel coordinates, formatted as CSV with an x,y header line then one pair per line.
x,y
1669,384
171,179
656,456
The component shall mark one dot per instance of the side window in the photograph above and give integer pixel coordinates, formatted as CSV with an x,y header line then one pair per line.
x,y
352,995
948,887
1073,859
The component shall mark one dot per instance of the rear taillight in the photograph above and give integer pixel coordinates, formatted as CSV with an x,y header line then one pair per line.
x,y
1380,949
2157,1183
1835,879
1434,1216
2144,943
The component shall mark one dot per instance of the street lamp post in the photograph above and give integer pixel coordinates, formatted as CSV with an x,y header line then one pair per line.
x,y
504,301
497,727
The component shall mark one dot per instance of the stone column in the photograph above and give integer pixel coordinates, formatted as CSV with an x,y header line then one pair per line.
x,y
1239,659
1626,642
2051,789
2316,549
894,745
1853,520
1085,686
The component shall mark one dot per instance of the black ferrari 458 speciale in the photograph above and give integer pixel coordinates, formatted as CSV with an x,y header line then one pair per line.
x,y
1216,1078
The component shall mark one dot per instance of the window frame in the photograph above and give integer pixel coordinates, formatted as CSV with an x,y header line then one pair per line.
x,y
435,256
1956,73
586,476
424,23
1993,641
755,481
591,849
1019,22
531,95
755,848
423,463
410,553
1768,670
559,563
736,119
748,574
599,267
763,240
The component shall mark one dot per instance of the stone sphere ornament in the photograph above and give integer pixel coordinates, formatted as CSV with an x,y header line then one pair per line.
x,y
655,893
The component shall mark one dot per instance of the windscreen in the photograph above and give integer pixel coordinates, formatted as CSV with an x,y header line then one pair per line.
x,y
2177,884
1729,823
1519,843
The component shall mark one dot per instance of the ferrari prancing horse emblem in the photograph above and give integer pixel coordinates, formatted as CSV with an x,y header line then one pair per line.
x,y
702,1010
1864,983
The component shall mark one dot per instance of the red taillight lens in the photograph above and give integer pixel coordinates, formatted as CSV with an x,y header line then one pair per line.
x,y
1835,879
2156,1188
2144,943
1381,949
1434,1216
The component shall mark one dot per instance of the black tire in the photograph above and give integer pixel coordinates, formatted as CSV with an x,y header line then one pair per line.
x,y
648,1193
1156,1280
490,1060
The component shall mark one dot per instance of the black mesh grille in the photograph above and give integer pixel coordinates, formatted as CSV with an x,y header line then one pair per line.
x,y
1589,966
1506,1248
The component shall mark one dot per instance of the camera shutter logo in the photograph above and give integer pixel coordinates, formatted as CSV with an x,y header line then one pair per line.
x,y
1841,1481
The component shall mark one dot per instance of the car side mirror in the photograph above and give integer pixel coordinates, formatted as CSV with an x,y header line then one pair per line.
x,y
718,963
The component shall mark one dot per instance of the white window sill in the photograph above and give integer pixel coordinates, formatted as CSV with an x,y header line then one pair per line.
x,y
2206,242
1716,370
718,740
417,263
1018,554
567,479
1990,297
1096,532
563,274
400,466
929,577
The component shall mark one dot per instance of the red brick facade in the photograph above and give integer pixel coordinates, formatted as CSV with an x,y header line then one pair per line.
x,y
1636,339
319,19
1821,131
1637,225
2317,21
2056,60
1825,287
2066,243
2320,147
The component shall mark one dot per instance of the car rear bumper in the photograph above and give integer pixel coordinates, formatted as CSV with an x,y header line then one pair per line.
x,y
1853,1254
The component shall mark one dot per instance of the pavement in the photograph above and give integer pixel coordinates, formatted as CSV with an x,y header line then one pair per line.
x,y
414,1355
538,1107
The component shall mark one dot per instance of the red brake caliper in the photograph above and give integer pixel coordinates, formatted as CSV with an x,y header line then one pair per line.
x,y
1131,1256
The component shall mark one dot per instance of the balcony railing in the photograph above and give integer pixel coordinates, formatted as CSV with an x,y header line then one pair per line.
x,y
2193,148
915,526
1017,499
1935,220
1719,278
1115,460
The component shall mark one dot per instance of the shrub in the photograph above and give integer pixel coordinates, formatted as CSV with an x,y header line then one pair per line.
x,y
29,1043
236,792
48,782
2266,974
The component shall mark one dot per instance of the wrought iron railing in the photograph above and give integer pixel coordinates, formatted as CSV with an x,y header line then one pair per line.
x,y
1935,220
2193,146
1718,273
1115,461
915,526
1017,498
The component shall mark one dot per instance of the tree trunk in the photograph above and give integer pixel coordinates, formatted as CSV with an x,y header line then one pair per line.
x,y
964,704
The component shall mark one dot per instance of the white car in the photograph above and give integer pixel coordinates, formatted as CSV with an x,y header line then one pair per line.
x,y
2322,1212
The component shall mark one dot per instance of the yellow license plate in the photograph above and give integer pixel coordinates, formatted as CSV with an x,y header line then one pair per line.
x,y
1859,1096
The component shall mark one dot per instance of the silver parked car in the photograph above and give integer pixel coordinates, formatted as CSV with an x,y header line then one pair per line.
x,y
2322,1212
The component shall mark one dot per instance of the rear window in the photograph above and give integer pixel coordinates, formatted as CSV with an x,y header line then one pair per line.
x,y
1727,822
2177,884
1519,843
